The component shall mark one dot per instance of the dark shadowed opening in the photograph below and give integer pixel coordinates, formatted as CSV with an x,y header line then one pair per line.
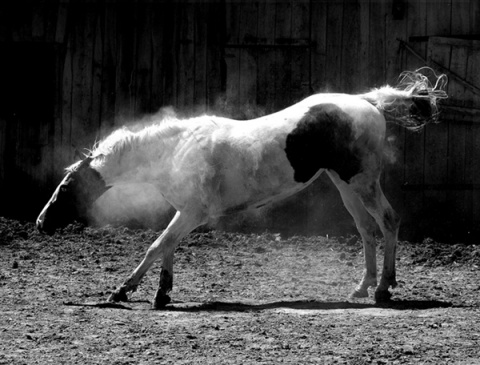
x,y
27,77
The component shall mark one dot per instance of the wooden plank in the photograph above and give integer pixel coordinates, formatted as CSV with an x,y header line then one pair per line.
x,y
143,62
215,52
472,148
50,13
318,31
334,74
83,128
458,200
38,22
247,86
436,161
474,17
3,138
439,17
200,43
63,130
376,54
109,70
97,68
413,223
267,68
186,58
461,18
125,62
232,57
20,20
283,57
394,65
61,25
352,81
300,66
161,26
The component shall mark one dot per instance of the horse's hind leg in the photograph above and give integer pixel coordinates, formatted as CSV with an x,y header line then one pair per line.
x,y
366,227
377,205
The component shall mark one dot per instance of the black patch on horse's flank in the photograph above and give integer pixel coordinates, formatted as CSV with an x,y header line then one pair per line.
x,y
323,139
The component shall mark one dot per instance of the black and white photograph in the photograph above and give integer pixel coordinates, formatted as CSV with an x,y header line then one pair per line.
x,y
240,182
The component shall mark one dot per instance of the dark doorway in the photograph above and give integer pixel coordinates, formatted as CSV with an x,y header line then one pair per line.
x,y
27,78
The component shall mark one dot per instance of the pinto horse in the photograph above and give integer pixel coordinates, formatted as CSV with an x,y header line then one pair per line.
x,y
210,166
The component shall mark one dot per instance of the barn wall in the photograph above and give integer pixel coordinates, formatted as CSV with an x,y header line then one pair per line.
x,y
116,61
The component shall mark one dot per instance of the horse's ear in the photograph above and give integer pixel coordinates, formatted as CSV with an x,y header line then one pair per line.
x,y
107,188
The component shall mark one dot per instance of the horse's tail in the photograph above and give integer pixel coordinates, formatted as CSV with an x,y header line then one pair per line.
x,y
413,102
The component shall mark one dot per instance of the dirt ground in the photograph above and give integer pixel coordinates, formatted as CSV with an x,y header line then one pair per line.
x,y
237,299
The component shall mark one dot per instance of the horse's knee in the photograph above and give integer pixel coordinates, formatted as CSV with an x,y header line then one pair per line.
x,y
391,220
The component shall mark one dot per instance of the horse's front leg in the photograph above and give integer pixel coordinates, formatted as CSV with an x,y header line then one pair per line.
x,y
180,226
165,283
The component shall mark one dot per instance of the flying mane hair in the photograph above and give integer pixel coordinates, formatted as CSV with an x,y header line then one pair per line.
x,y
413,102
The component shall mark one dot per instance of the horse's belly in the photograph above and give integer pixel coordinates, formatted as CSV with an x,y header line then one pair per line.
x,y
252,180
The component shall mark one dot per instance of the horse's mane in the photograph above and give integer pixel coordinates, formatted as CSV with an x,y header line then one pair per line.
x,y
124,139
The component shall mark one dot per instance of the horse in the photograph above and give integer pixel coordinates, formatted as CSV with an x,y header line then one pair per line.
x,y
209,166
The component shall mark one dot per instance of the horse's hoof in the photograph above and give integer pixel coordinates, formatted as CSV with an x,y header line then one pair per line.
x,y
382,296
359,293
118,296
161,301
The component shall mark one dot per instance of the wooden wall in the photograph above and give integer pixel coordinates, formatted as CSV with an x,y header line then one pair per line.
x,y
115,61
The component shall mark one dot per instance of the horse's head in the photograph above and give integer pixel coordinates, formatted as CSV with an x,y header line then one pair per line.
x,y
72,198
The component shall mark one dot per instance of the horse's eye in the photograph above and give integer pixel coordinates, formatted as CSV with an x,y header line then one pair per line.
x,y
63,189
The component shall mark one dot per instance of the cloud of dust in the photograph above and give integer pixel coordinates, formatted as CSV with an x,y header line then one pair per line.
x,y
142,205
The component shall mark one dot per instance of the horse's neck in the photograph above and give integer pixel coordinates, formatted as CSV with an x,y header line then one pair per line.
x,y
133,163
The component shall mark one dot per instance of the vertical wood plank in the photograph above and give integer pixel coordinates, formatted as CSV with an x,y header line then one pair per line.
x,y
283,56
334,79
436,157
232,55
472,150
63,132
109,70
352,81
461,17
97,68
394,65
38,22
143,79
216,72
266,73
439,13
82,125
247,86
318,31
186,61
300,66
361,59
159,28
125,30
413,226
376,58
61,24
200,41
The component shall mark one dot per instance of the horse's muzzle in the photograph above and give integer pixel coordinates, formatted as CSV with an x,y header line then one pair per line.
x,y
44,228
